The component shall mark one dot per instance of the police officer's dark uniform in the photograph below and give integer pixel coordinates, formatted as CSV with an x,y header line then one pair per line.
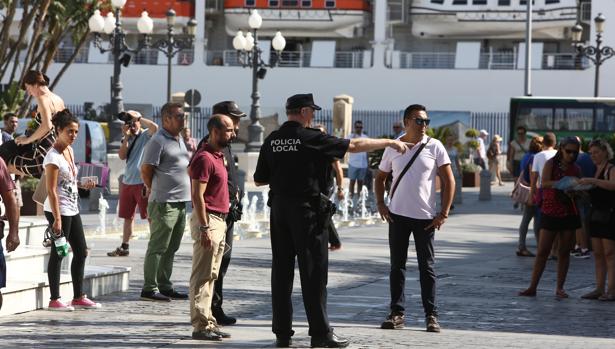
x,y
293,161
230,109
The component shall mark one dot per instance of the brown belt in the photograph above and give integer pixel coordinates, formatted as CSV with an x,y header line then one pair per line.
x,y
218,214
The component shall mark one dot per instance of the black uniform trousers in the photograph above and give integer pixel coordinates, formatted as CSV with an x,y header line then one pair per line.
x,y
295,232
218,298
399,237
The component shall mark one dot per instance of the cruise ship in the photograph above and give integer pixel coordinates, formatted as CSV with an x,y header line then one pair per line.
x,y
450,55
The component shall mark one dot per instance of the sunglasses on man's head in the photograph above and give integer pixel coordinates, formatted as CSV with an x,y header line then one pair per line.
x,y
422,122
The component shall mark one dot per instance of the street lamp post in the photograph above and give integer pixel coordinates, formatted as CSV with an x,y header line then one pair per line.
x,y
172,44
597,54
112,26
250,56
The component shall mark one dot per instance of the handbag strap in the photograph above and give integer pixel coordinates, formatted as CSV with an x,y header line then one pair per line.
x,y
407,167
132,145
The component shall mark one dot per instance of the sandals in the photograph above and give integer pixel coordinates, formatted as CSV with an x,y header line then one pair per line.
x,y
607,297
595,294
561,294
525,253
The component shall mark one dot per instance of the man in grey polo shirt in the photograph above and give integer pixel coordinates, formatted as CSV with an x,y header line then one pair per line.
x,y
165,160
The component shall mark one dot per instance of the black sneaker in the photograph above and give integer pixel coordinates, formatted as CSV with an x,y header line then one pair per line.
x,y
393,321
174,294
432,324
283,342
331,340
154,296
222,318
119,252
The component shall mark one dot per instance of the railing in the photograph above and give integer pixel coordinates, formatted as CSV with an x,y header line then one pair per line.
x,y
63,54
489,61
297,59
427,60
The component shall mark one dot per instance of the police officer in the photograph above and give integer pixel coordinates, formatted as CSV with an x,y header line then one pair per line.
x,y
292,161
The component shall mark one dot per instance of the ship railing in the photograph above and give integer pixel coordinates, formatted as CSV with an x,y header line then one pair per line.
x,y
564,61
427,60
498,60
295,59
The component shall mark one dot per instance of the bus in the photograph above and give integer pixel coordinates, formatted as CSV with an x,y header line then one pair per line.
x,y
564,116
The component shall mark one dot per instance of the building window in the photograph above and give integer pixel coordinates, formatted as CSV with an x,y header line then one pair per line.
x,y
274,3
329,3
503,2
437,2
548,2
460,2
250,3
306,3
479,2
290,3
524,2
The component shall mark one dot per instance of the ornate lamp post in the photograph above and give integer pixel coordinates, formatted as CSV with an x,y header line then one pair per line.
x,y
172,44
112,26
250,56
597,54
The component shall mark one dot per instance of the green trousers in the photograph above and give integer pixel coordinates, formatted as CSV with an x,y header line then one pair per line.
x,y
167,223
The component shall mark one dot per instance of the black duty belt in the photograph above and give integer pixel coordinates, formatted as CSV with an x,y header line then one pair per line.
x,y
218,214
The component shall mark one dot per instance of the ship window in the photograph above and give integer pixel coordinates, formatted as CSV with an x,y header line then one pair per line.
x,y
437,2
329,3
274,3
524,2
547,2
479,2
306,3
290,3
460,2
250,3
504,2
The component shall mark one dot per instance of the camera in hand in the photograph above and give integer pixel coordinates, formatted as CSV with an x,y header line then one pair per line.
x,y
124,116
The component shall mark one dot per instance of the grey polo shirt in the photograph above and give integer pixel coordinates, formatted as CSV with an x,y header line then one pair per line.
x,y
170,158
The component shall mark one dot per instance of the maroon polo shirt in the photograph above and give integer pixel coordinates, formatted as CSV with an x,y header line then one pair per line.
x,y
207,166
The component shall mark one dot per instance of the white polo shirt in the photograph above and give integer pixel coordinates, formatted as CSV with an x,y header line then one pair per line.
x,y
415,196
540,161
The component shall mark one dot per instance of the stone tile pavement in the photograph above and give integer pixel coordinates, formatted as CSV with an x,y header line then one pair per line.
x,y
478,277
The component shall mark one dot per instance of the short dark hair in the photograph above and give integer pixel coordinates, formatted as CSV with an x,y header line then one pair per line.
x,y
293,111
522,128
358,122
7,116
63,118
549,139
167,107
215,121
412,108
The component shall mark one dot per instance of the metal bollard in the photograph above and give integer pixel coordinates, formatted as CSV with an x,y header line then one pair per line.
x,y
485,186
458,184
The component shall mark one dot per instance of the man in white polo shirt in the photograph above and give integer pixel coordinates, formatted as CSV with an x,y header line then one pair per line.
x,y
413,211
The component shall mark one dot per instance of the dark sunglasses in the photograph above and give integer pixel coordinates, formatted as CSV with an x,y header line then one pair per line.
x,y
422,122
180,115
573,152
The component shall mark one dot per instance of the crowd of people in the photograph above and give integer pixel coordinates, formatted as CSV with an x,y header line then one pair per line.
x,y
166,170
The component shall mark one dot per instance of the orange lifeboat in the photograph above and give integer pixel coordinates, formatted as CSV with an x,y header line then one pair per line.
x,y
158,8
300,18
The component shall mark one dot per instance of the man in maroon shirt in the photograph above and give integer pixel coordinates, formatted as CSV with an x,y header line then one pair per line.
x,y
12,214
210,199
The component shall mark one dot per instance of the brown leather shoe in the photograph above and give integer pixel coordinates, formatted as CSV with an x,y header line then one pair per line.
x,y
432,324
393,321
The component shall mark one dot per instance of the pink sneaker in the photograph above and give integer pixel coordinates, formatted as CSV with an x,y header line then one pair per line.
x,y
85,303
58,305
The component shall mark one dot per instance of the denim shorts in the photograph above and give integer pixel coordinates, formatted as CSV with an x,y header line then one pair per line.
x,y
356,173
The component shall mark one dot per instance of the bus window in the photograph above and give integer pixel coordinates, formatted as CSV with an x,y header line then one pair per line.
x,y
535,118
605,119
574,119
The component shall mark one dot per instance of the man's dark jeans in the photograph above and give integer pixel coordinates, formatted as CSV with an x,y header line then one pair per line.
x,y
399,237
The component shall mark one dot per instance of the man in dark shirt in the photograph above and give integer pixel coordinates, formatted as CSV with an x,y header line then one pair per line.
x,y
12,214
230,109
292,161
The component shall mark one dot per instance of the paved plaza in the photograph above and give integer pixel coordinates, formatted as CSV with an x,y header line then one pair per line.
x,y
478,278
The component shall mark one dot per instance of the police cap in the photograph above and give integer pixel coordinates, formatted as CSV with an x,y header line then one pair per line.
x,y
229,108
301,100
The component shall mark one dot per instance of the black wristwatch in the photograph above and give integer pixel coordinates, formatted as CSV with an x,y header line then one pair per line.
x,y
204,228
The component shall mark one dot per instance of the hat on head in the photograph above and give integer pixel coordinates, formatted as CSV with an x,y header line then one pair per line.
x,y
229,108
484,132
134,113
301,100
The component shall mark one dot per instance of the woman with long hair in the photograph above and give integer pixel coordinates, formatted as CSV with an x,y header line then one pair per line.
x,y
602,219
25,154
62,211
529,210
559,216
